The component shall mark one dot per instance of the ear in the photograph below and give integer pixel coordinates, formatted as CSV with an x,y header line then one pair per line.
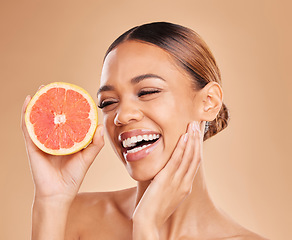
x,y
212,98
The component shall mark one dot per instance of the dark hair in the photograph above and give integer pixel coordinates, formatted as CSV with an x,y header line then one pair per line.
x,y
190,52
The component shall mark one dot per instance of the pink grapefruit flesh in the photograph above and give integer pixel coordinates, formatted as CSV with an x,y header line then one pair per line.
x,y
61,118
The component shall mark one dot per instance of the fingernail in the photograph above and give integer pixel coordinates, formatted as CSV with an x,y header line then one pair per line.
x,y
186,137
26,99
193,126
41,86
196,126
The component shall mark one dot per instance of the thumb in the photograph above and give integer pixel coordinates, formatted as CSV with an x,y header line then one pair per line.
x,y
30,146
91,151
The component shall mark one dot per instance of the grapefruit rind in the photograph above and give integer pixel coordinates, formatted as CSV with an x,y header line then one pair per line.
x,y
92,116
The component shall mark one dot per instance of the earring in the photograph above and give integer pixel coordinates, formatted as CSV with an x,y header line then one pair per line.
x,y
207,126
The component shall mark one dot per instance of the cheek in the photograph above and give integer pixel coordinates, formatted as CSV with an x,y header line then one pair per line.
x,y
172,116
172,113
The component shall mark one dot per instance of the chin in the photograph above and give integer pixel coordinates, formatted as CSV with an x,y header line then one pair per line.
x,y
144,164
142,171
141,177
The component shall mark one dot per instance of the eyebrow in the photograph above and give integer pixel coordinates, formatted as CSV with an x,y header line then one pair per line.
x,y
105,88
140,78
134,80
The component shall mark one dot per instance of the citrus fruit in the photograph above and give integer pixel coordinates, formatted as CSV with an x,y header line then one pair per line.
x,y
61,118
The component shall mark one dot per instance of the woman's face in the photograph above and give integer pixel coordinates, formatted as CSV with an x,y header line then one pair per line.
x,y
147,102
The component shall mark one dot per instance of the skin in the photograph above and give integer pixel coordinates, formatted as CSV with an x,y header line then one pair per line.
x,y
171,200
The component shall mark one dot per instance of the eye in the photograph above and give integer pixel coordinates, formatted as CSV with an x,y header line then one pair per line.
x,y
106,103
148,92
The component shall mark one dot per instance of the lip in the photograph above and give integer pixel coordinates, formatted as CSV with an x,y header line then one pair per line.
x,y
132,157
135,132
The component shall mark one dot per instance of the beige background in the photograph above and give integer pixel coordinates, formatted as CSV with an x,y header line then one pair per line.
x,y
248,165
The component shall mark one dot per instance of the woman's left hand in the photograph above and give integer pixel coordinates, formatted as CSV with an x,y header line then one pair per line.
x,y
170,186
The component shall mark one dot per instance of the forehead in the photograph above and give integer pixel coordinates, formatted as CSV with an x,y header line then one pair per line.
x,y
133,58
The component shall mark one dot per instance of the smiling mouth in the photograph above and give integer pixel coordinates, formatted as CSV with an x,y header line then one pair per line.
x,y
137,143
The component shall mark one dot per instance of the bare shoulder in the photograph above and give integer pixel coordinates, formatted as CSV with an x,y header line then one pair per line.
x,y
251,236
245,234
232,230
94,213
237,237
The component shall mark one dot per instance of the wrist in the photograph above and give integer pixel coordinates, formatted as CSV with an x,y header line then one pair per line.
x,y
53,201
145,230
46,207
43,209
49,217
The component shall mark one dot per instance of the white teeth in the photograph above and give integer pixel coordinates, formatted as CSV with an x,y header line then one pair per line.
x,y
138,148
131,142
139,138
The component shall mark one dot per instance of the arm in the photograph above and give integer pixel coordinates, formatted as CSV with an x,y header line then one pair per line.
x,y
49,219
57,180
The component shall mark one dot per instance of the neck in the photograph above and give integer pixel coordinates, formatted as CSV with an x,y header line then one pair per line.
x,y
195,211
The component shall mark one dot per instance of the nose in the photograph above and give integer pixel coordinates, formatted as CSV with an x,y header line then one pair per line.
x,y
127,112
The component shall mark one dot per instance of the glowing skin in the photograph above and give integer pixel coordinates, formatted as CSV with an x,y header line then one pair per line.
x,y
130,70
144,95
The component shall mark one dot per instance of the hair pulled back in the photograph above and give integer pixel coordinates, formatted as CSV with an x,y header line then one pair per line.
x,y
189,51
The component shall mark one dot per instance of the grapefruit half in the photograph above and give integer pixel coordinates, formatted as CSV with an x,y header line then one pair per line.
x,y
61,118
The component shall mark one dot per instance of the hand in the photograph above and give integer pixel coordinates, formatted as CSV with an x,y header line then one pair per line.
x,y
59,177
173,183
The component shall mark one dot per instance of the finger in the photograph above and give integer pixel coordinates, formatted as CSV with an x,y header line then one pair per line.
x,y
201,129
28,142
40,87
187,157
177,155
24,106
23,125
91,151
197,155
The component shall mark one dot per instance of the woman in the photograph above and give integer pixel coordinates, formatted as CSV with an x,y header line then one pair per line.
x,y
159,86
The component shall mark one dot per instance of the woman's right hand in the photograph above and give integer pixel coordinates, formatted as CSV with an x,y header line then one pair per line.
x,y
59,177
